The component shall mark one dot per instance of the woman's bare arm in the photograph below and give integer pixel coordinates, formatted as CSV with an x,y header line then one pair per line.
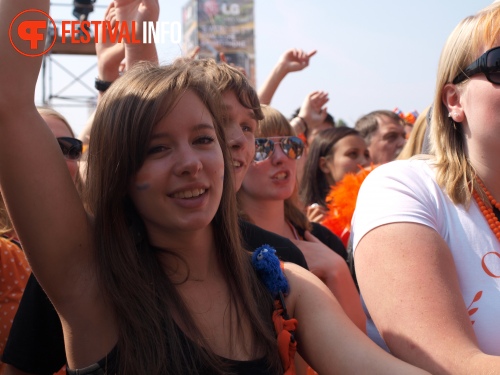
x,y
327,339
411,289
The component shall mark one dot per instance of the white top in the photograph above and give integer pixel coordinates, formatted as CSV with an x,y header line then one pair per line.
x,y
406,191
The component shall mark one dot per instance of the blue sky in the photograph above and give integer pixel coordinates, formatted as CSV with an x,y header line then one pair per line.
x,y
371,54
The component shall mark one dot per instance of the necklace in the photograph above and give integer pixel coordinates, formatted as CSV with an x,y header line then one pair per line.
x,y
487,212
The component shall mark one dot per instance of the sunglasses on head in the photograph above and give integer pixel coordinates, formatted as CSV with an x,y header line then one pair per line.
x,y
293,147
488,63
70,147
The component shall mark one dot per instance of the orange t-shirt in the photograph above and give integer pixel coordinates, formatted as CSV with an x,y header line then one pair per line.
x,y
14,274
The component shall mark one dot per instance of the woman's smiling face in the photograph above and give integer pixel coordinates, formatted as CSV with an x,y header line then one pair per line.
x,y
179,186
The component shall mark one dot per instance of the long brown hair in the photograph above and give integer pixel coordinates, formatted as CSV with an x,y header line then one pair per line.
x,y
142,297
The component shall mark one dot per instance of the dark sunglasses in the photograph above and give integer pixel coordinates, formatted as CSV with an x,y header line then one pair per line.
x,y
293,147
488,63
70,147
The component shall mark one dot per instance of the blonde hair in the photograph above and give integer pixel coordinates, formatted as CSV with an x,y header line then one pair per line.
x,y
415,142
50,112
5,223
454,172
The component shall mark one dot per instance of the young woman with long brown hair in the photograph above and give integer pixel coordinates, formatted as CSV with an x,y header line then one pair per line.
x,y
152,278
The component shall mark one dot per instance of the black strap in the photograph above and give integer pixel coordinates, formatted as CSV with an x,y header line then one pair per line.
x,y
15,242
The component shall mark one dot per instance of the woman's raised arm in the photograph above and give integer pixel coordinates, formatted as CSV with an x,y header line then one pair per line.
x,y
42,200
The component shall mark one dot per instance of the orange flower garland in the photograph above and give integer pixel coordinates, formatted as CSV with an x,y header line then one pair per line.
x,y
487,212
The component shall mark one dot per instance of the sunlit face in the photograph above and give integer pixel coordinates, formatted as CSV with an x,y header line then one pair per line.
x,y
480,102
387,141
347,156
273,178
60,129
240,134
179,187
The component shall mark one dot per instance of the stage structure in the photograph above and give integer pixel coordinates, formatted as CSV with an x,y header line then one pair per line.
x,y
221,26
60,63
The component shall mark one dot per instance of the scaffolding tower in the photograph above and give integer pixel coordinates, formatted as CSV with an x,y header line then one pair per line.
x,y
67,61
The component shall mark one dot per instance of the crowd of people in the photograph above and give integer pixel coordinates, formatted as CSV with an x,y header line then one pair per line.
x,y
192,228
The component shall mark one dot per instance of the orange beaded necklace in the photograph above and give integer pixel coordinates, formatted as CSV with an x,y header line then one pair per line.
x,y
487,212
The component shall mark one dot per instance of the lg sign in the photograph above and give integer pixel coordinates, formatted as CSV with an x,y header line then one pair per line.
x,y
230,9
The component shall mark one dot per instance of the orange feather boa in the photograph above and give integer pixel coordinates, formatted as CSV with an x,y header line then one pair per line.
x,y
341,201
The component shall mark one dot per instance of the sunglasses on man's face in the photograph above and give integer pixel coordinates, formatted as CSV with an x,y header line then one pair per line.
x,y
293,147
488,63
70,147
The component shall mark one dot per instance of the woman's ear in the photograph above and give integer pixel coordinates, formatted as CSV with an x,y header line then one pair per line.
x,y
322,165
451,99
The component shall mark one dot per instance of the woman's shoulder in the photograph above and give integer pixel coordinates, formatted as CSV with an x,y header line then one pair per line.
x,y
416,165
409,173
254,237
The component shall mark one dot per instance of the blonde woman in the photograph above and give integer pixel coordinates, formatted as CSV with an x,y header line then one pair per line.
x,y
268,197
426,232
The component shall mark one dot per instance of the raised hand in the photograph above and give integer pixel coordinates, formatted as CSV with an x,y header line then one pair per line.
x,y
109,54
292,60
138,11
295,60
313,109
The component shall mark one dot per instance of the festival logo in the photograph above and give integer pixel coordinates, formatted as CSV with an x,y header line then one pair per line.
x,y
28,30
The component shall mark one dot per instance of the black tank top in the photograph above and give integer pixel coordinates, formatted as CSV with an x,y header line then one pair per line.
x,y
108,365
